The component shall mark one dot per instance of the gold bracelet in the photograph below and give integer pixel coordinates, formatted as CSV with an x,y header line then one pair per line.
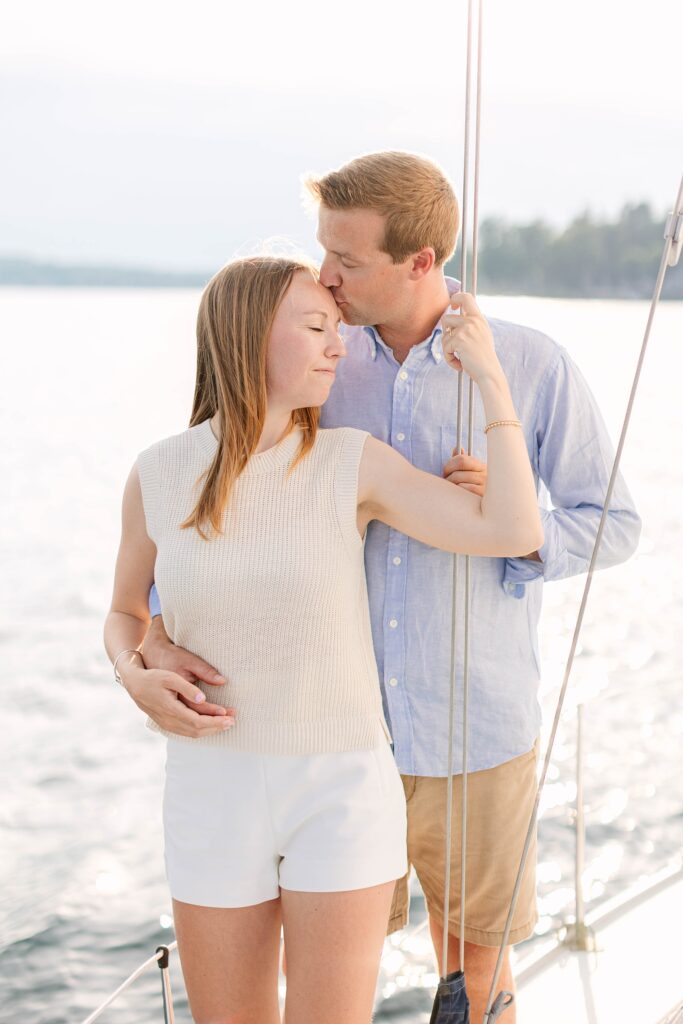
x,y
501,423
129,650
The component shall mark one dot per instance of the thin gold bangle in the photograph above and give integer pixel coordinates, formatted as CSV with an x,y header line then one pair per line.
x,y
501,423
128,650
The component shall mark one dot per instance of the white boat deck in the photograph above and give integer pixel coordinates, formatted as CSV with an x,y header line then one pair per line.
x,y
635,976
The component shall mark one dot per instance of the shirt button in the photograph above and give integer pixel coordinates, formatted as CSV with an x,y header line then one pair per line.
x,y
393,682
393,623
438,358
396,560
403,375
400,437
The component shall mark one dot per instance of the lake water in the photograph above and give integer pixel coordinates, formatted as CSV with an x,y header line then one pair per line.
x,y
88,379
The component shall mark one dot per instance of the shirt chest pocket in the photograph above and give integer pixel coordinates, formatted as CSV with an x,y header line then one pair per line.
x,y
449,436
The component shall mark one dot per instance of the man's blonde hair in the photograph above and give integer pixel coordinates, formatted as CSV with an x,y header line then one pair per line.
x,y
411,191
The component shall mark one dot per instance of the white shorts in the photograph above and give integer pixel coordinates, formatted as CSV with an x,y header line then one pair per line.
x,y
238,826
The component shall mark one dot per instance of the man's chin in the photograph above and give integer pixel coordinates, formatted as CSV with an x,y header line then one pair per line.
x,y
351,316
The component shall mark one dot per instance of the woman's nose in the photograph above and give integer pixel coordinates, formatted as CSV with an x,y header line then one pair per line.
x,y
336,346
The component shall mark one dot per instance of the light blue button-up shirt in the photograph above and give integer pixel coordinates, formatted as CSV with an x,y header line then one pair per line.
x,y
413,406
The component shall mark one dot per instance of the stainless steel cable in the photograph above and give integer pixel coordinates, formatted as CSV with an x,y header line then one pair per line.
x,y
457,558
129,981
468,564
673,238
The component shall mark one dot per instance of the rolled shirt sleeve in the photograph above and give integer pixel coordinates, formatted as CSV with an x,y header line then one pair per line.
x,y
154,602
573,458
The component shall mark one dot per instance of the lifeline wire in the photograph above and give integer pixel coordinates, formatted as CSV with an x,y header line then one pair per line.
x,y
129,981
672,246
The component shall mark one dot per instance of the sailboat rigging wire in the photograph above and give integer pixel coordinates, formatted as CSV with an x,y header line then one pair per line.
x,y
477,156
456,558
671,233
468,566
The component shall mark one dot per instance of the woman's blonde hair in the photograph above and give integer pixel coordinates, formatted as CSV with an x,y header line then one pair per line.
x,y
412,192
235,318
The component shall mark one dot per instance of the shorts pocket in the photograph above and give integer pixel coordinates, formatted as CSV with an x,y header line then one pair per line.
x,y
390,780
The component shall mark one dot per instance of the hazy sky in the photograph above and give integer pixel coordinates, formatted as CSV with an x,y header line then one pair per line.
x,y
174,134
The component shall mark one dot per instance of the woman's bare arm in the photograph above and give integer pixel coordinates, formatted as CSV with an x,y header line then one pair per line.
x,y
156,691
128,617
506,520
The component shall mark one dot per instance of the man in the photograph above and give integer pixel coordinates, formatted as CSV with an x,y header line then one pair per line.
x,y
388,223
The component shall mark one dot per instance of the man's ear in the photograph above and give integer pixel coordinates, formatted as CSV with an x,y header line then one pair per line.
x,y
422,262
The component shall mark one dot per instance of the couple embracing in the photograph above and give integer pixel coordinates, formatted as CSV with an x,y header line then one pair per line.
x,y
297,540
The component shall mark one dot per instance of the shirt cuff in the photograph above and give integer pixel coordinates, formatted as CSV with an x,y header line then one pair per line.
x,y
154,602
520,571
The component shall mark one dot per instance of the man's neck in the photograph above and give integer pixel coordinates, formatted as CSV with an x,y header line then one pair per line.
x,y
404,333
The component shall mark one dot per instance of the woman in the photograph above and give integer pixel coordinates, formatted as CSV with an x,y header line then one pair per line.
x,y
288,810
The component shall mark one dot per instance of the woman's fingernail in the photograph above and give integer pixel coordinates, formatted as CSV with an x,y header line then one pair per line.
x,y
200,698
218,677
228,723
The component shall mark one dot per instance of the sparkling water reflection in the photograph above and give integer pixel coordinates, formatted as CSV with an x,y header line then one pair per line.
x,y
90,378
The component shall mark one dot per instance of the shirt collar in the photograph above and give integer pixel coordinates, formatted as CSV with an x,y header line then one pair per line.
x,y
433,342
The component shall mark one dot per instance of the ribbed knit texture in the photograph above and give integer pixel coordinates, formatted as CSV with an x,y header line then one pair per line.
x,y
278,602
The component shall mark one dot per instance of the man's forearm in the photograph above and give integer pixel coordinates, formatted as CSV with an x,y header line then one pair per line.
x,y
157,643
569,541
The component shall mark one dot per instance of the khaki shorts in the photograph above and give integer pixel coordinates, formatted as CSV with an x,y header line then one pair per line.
x,y
500,801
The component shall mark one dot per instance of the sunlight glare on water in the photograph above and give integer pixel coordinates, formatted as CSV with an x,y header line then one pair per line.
x,y
84,896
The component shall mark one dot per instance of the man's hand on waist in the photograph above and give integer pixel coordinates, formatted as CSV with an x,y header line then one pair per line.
x,y
159,652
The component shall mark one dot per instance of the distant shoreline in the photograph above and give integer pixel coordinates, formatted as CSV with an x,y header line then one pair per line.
x,y
63,278
192,285
589,259
28,273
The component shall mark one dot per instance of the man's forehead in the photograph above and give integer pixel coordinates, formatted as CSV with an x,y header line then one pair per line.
x,y
349,232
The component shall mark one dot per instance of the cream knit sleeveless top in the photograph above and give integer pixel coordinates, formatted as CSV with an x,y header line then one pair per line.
x,y
278,602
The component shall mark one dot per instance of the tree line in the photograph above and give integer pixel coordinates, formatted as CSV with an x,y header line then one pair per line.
x,y
590,258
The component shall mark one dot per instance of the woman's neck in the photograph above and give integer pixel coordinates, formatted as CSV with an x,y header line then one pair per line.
x,y
275,428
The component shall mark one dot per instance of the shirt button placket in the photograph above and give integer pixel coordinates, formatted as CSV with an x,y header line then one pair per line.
x,y
394,645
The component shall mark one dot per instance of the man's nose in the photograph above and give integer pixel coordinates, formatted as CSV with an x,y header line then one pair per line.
x,y
329,276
